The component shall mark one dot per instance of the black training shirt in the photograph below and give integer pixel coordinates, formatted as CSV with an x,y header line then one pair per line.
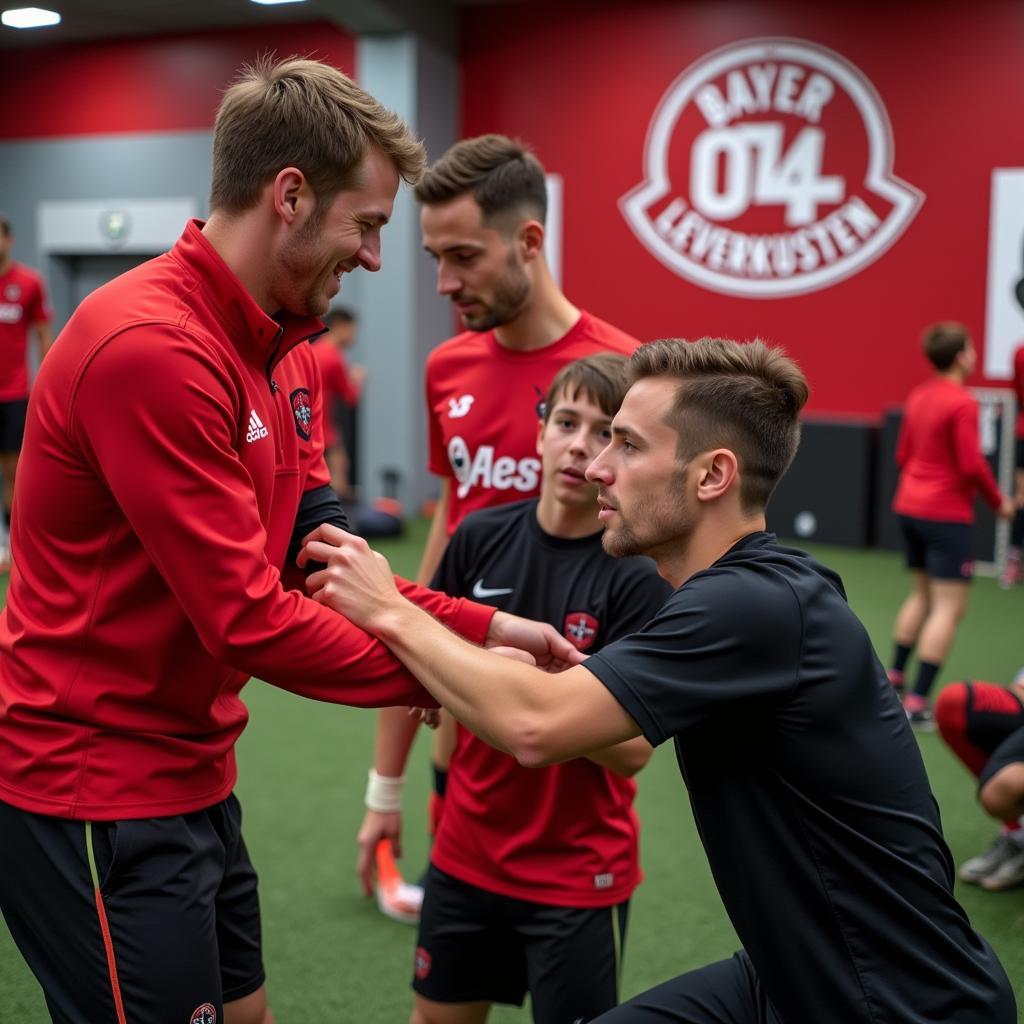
x,y
809,794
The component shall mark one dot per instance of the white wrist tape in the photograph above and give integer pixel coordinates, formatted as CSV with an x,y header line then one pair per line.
x,y
383,794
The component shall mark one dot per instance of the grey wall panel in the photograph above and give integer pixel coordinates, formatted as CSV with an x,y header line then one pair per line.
x,y
96,167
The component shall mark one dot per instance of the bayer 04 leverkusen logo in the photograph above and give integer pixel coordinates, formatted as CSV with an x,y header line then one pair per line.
x,y
768,169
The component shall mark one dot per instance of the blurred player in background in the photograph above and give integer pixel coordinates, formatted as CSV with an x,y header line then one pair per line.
x,y
24,307
342,387
941,470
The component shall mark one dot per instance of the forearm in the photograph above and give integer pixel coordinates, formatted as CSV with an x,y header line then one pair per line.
x,y
437,540
396,730
494,697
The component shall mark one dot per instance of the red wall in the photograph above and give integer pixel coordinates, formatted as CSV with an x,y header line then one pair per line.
x,y
581,83
164,83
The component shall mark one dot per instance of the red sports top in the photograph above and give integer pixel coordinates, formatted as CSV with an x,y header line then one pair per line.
x,y
1018,386
482,408
22,304
170,437
940,460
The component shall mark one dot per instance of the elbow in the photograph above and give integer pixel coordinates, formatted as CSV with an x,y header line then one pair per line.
x,y
532,744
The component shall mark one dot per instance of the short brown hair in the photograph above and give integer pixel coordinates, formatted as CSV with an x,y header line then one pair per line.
x,y
943,342
745,397
600,377
501,174
305,114
5,227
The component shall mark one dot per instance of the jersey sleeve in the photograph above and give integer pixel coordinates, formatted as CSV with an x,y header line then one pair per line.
x,y
971,464
437,456
724,639
165,451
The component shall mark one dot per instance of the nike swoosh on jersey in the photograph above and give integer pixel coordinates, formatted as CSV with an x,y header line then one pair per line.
x,y
480,591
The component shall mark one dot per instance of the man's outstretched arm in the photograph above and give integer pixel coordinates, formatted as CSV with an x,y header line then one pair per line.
x,y
518,708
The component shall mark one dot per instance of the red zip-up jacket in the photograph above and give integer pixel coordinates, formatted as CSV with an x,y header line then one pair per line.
x,y
939,455
167,448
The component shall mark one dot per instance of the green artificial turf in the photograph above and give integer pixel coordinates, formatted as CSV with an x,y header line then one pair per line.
x,y
331,957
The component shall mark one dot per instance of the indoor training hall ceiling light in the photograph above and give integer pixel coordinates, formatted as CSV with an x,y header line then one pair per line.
x,y
29,17
267,3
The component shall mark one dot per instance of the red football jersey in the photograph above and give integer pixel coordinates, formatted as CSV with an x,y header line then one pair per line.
x,y
22,303
940,460
482,406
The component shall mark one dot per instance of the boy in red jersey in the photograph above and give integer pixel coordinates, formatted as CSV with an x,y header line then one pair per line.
x,y
484,204
941,470
532,869
23,306
173,450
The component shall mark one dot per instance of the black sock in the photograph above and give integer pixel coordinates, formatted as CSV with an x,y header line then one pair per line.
x,y
926,673
440,780
1017,529
900,654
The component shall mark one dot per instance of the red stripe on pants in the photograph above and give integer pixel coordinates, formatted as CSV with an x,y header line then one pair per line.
x,y
108,946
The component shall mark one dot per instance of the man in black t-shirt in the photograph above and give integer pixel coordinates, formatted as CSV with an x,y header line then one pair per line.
x,y
805,780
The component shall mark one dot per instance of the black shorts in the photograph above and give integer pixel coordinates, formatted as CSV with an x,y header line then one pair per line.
x,y
1020,452
1010,751
942,550
475,945
12,424
727,992
156,915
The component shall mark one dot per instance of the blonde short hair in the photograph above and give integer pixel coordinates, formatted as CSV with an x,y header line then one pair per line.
x,y
305,114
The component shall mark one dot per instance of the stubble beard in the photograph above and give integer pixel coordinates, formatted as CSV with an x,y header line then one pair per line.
x,y
510,297
301,256
668,523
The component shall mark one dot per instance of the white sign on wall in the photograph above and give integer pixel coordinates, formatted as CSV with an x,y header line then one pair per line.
x,y
768,172
94,226
1004,308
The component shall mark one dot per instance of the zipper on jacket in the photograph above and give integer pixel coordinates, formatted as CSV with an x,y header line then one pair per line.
x,y
275,347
